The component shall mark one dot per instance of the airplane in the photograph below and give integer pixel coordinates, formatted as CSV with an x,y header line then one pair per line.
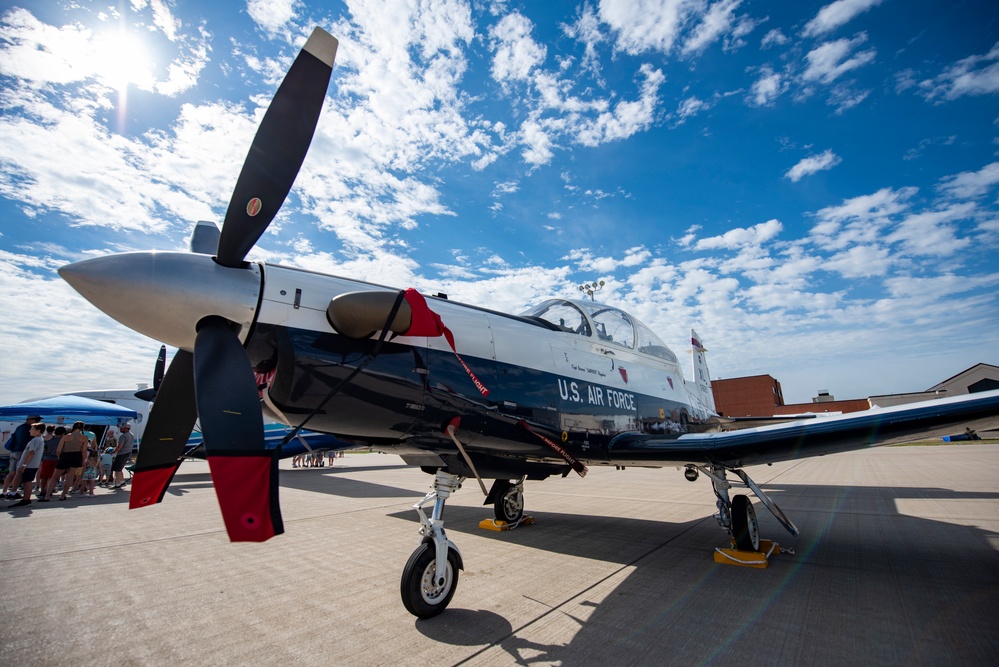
x,y
457,390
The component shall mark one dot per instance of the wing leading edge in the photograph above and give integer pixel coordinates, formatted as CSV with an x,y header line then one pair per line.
x,y
814,437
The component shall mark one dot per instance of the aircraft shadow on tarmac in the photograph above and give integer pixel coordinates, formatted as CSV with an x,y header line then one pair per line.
x,y
866,583
336,482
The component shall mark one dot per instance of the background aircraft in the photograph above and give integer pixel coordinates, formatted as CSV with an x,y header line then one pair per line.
x,y
458,390
140,401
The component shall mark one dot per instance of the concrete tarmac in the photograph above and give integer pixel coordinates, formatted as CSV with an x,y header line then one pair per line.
x,y
896,564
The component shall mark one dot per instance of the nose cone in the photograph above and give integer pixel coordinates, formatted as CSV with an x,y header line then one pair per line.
x,y
164,294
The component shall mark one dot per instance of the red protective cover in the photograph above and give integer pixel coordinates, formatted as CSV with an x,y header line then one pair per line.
x,y
247,490
149,486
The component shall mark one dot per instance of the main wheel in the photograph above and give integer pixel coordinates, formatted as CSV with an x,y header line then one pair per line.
x,y
745,529
421,594
509,503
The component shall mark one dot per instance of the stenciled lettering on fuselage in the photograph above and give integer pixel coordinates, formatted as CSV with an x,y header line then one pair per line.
x,y
575,391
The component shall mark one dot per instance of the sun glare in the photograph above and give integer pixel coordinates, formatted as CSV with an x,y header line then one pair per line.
x,y
121,59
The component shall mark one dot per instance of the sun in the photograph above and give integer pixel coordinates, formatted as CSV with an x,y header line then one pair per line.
x,y
121,58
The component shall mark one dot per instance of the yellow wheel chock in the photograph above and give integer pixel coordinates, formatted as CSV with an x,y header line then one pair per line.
x,y
758,559
499,526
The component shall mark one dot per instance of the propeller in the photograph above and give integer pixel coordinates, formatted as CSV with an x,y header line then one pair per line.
x,y
150,394
215,383
278,150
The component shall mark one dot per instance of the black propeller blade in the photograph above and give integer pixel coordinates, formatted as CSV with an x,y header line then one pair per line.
x,y
245,474
216,382
150,394
278,150
169,427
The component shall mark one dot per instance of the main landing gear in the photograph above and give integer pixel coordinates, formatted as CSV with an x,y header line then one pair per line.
x,y
736,515
430,577
508,500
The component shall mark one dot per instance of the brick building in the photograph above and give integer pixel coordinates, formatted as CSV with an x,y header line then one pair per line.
x,y
761,396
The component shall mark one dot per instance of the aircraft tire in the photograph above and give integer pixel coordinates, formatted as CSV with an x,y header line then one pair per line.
x,y
509,503
745,528
420,595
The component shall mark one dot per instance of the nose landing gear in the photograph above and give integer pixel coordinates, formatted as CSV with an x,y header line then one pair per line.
x,y
430,576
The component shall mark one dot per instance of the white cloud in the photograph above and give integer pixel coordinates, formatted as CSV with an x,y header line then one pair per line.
x,y
831,60
271,15
774,38
766,89
932,233
971,184
836,14
845,97
505,188
859,220
689,107
719,20
164,20
813,164
586,29
974,75
515,51
646,25
860,261
735,238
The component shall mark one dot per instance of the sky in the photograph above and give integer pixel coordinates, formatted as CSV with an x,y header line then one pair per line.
x,y
813,186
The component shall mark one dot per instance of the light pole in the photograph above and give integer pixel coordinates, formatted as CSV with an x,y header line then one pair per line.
x,y
590,288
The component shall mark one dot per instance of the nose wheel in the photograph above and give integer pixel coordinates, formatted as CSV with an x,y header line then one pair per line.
x,y
430,576
425,593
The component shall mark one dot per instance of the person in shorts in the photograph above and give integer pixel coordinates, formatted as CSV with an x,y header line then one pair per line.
x,y
53,434
122,454
28,464
18,441
107,460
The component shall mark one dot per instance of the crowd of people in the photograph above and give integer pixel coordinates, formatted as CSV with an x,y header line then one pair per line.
x,y
50,459
315,459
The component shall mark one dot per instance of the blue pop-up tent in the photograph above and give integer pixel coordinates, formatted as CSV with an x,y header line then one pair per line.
x,y
70,407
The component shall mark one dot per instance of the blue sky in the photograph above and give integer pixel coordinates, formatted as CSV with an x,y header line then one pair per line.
x,y
813,186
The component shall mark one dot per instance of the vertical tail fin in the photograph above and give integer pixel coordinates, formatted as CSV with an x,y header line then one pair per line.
x,y
700,377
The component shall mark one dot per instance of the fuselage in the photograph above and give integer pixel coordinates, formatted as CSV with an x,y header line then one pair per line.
x,y
585,380
577,372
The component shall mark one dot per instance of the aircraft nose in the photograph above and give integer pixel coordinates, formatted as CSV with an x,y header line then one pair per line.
x,y
165,294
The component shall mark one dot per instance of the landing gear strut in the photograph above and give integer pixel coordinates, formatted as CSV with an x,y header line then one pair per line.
x,y
736,515
430,577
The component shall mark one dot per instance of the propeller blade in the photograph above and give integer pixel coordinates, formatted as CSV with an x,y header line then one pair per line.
x,y
278,149
244,472
149,394
159,368
171,421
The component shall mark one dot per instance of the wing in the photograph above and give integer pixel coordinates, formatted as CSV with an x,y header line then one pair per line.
x,y
814,437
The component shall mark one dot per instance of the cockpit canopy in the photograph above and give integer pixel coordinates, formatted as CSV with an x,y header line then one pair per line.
x,y
603,323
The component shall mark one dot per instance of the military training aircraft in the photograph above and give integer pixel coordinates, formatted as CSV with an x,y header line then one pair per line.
x,y
457,390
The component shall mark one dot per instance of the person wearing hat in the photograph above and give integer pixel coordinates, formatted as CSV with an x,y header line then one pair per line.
x,y
18,441
121,455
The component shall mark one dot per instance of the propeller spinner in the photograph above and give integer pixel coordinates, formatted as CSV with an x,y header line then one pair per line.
x,y
204,306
